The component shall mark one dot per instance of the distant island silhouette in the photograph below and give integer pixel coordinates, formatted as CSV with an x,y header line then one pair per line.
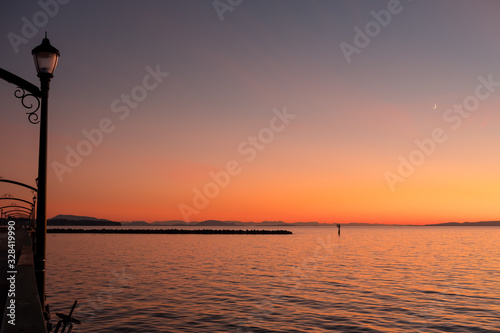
x,y
63,222
75,220
465,224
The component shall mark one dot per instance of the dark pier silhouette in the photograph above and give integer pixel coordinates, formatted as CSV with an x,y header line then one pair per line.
x,y
171,231
26,313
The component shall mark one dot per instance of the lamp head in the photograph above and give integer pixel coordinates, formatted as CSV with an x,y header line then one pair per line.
x,y
45,57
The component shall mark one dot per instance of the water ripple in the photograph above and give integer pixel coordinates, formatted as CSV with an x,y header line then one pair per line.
x,y
369,280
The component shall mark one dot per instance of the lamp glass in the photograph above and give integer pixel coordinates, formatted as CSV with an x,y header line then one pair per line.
x,y
45,56
45,62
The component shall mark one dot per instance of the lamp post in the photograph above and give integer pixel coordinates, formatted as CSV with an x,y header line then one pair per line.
x,y
45,57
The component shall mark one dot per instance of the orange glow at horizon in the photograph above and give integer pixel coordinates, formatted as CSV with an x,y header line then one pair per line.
x,y
313,134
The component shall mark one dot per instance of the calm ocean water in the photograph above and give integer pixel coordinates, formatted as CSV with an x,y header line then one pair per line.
x,y
369,279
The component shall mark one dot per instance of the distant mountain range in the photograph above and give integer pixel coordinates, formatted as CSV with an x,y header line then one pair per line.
x,y
480,223
74,220
223,223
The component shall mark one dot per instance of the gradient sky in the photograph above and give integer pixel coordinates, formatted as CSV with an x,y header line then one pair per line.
x,y
354,122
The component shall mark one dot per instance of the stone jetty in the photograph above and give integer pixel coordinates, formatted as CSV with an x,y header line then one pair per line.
x,y
170,231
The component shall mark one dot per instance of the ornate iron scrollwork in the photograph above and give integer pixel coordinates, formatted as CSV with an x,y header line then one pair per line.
x,y
33,117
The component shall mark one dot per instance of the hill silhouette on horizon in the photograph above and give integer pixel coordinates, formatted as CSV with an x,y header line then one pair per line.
x,y
90,221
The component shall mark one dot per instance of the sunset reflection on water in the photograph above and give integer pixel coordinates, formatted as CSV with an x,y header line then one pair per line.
x,y
379,279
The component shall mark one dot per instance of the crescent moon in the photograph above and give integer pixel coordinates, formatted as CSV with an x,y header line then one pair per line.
x,y
435,106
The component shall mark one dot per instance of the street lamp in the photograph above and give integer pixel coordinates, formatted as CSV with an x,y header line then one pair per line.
x,y
45,57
